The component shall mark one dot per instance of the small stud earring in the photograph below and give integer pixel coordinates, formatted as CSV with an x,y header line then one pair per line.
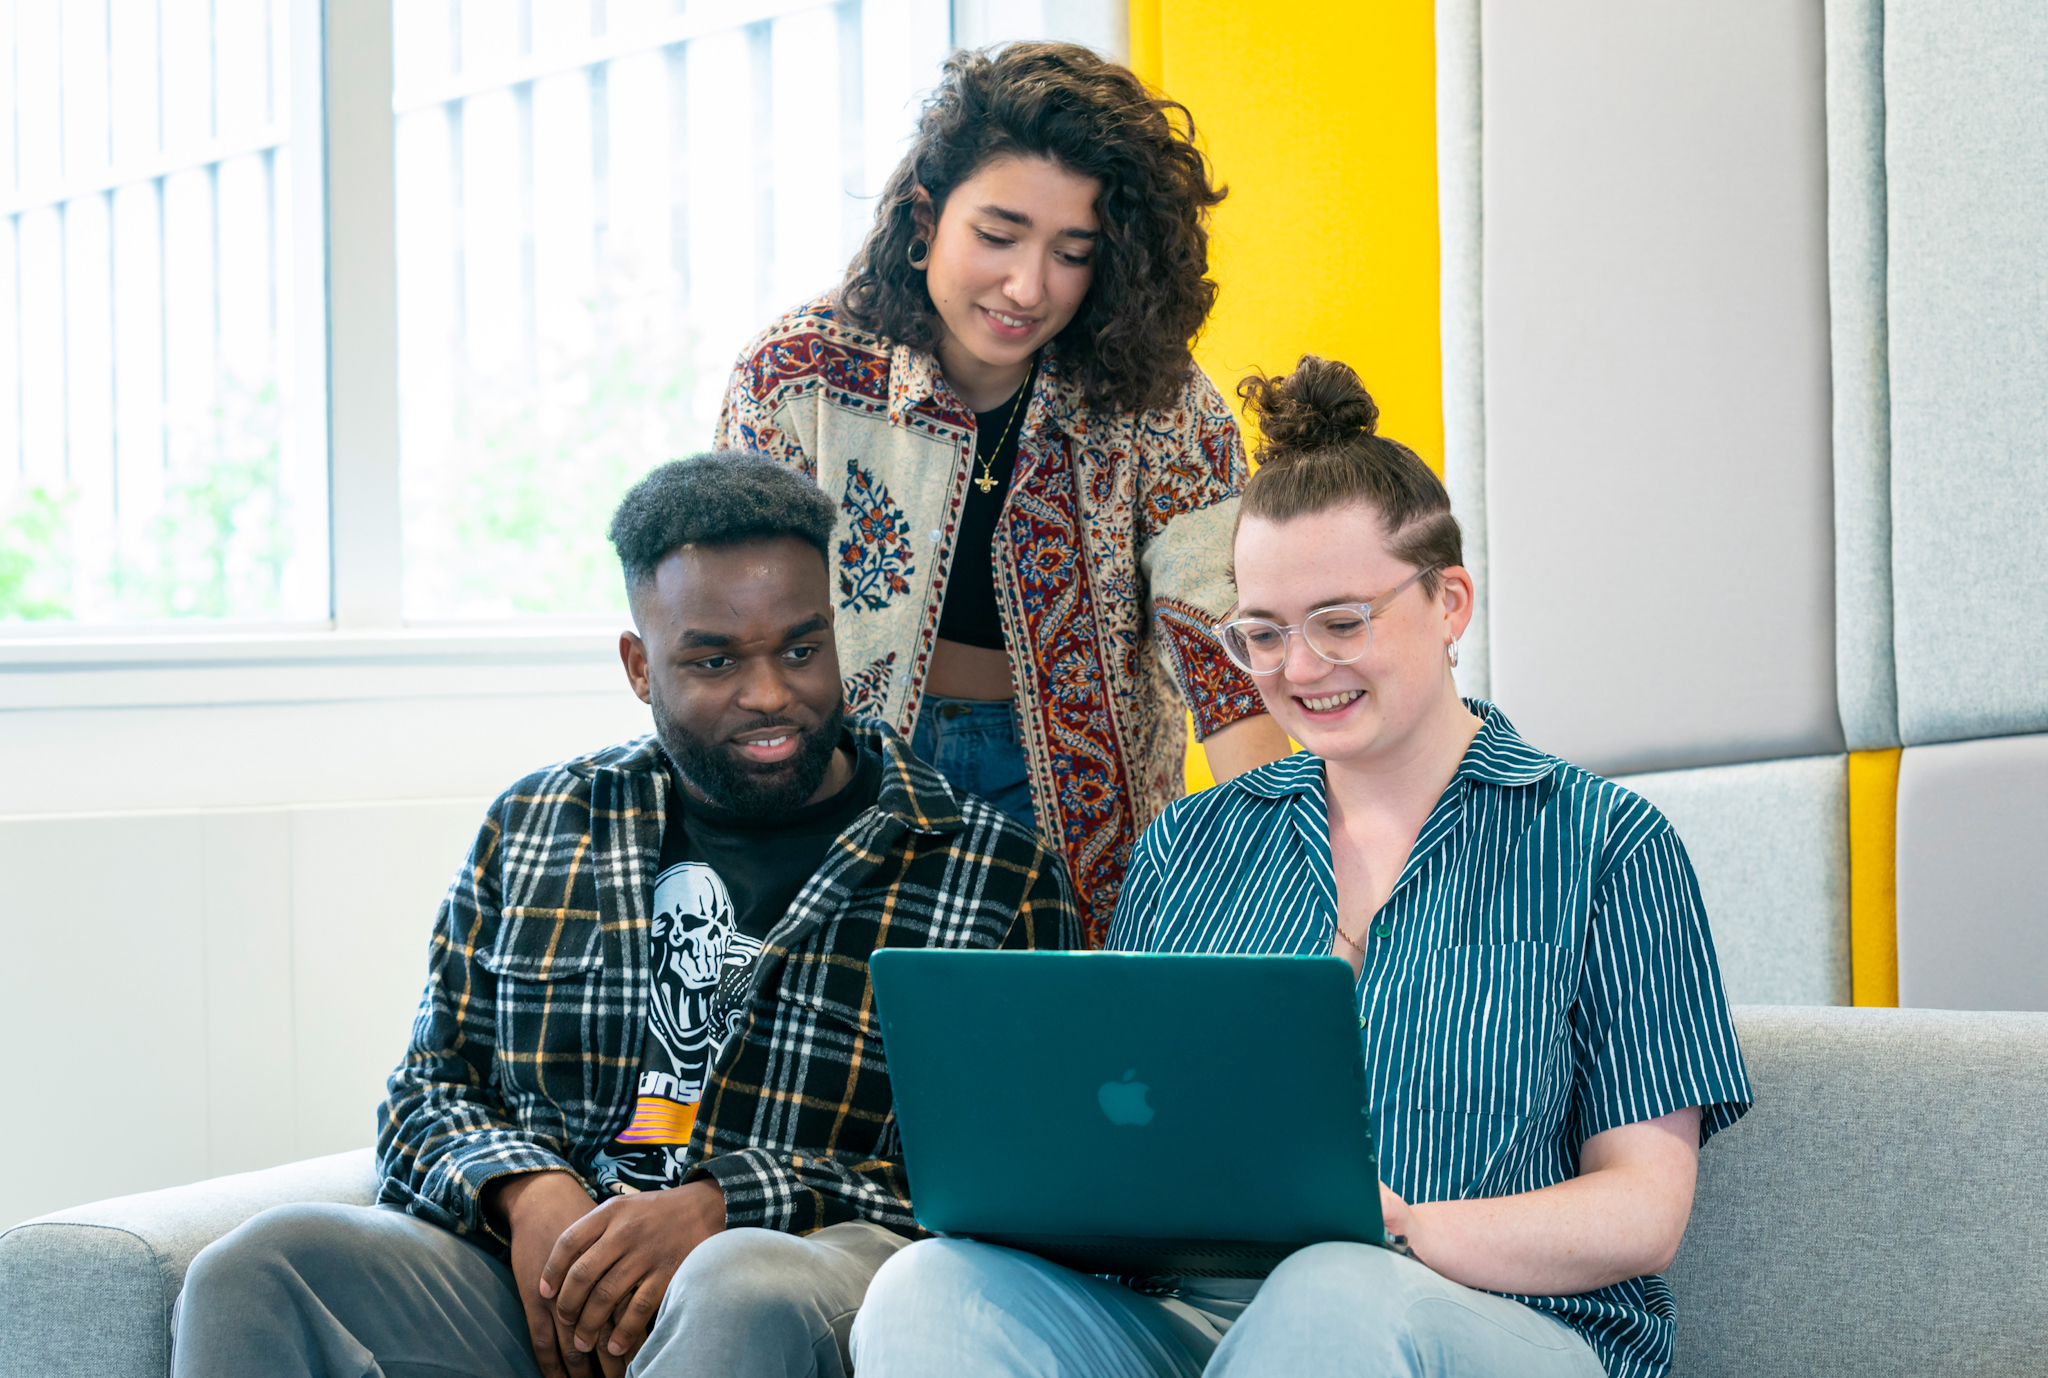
x,y
920,252
1452,651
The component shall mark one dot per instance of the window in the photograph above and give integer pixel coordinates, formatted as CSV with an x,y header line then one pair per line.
x,y
595,204
153,300
598,204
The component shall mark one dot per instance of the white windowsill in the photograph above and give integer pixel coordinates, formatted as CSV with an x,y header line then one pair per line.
x,y
307,664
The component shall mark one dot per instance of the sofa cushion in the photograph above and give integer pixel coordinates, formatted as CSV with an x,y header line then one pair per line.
x,y
89,1291
1883,1209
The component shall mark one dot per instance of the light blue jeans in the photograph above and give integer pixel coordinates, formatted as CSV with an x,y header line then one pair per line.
x,y
946,1307
978,745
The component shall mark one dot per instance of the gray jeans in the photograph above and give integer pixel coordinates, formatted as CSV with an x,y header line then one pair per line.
x,y
356,1291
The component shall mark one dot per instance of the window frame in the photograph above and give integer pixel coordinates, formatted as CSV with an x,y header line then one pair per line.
x,y
359,213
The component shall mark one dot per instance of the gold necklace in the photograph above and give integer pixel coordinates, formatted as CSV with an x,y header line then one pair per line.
x,y
987,482
1349,941
1372,928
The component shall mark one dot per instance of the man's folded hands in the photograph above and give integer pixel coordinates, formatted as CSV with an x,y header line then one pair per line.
x,y
591,1278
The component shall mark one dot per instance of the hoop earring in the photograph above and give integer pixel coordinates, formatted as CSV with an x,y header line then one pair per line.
x,y
1452,651
919,252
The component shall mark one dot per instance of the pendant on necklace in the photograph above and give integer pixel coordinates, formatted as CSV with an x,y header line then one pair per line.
x,y
985,483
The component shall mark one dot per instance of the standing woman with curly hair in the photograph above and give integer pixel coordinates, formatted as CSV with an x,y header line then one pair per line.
x,y
1036,484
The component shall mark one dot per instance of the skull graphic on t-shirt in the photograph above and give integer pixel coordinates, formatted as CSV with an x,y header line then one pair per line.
x,y
696,950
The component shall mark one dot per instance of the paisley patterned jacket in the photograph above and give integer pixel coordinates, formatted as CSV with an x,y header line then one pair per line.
x,y
1112,561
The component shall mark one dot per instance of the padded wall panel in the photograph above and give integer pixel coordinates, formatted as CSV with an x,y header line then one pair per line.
x,y
1973,875
1866,685
1460,223
1966,133
1659,487
1770,843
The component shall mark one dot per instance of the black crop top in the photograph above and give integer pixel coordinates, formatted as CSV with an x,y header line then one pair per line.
x,y
969,616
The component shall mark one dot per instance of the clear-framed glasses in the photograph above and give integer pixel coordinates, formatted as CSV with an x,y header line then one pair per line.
x,y
1340,633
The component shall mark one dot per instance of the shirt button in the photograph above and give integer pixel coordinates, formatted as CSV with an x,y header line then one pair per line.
x,y
936,534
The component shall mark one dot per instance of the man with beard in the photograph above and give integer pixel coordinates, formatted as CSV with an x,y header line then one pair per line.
x,y
645,1121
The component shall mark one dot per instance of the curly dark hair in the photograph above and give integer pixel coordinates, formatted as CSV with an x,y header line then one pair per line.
x,y
721,498
1127,346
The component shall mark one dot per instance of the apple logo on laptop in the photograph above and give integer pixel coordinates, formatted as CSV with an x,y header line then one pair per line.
x,y
1124,1101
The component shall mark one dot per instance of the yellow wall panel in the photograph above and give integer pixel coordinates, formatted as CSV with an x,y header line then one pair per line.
x,y
1142,20
1873,877
1321,118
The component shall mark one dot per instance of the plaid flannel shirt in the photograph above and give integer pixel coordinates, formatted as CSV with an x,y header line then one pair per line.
x,y
526,1050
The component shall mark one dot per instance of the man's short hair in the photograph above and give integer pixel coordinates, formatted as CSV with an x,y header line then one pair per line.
x,y
721,498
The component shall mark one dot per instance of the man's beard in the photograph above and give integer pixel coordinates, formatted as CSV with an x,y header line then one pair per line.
x,y
721,776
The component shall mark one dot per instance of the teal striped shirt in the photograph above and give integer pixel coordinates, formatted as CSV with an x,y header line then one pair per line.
x,y
1542,972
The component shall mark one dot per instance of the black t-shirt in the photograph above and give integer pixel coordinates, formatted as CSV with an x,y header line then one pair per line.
x,y
969,616
724,883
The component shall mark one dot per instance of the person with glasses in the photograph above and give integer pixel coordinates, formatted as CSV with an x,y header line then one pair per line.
x,y
1035,483
1546,1038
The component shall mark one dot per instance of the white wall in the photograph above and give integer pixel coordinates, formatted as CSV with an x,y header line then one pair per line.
x,y
219,864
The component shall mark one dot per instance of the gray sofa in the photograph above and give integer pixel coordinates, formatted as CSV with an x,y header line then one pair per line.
x,y
1883,1211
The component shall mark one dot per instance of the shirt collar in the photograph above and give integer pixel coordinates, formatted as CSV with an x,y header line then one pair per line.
x,y
1497,756
1055,404
912,792
1301,773
640,756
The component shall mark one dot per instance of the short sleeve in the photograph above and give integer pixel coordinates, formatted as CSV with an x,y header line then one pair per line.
x,y
1651,1030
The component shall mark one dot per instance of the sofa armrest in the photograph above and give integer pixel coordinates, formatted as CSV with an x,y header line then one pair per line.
x,y
89,1290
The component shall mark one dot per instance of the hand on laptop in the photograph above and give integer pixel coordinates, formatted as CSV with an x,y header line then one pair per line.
x,y
610,1269
1399,1219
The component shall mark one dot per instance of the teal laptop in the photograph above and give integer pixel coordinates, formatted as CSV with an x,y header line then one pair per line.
x,y
1135,1114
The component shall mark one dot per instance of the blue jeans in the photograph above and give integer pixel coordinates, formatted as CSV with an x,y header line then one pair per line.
x,y
951,1306
978,745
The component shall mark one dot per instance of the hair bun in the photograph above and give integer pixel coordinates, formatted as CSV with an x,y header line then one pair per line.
x,y
1321,404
